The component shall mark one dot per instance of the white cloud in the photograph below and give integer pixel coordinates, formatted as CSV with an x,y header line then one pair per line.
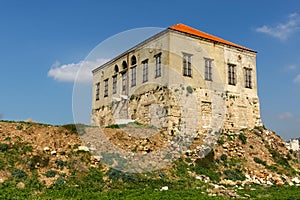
x,y
297,79
79,72
292,67
285,116
282,30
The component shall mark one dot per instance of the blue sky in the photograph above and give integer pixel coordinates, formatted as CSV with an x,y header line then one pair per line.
x,y
37,36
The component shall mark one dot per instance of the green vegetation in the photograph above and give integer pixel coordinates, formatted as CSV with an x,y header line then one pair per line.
x,y
3,147
74,178
189,89
75,128
259,161
243,138
207,166
50,174
18,173
235,175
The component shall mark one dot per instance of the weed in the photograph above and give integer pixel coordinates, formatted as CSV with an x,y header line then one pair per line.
x,y
18,173
50,174
189,89
61,164
3,147
220,141
207,166
75,128
234,175
223,157
243,138
259,161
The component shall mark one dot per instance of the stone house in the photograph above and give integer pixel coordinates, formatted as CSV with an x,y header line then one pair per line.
x,y
179,76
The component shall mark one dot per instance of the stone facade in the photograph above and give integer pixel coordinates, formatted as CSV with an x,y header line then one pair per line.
x,y
180,77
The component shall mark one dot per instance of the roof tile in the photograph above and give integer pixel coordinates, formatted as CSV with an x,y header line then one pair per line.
x,y
189,30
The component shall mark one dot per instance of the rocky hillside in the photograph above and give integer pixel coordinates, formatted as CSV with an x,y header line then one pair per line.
x,y
52,156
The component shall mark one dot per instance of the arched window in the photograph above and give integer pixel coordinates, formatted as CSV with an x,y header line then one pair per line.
x,y
124,64
116,69
133,60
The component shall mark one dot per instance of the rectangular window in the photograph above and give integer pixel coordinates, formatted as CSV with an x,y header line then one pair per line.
x,y
114,84
133,76
106,88
231,74
248,78
157,65
208,69
187,65
124,82
97,91
145,70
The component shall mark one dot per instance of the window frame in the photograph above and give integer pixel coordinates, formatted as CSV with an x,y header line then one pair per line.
x,y
232,74
187,64
208,74
97,95
105,93
145,70
115,84
133,76
248,78
157,65
124,82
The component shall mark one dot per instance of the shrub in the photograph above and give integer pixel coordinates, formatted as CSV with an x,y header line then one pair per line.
x,y
3,147
60,163
207,166
235,175
60,181
223,157
114,126
116,175
259,161
220,141
189,89
243,138
75,128
50,174
18,173
43,161
19,127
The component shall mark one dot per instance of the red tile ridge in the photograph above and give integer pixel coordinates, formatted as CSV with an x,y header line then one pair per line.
x,y
189,30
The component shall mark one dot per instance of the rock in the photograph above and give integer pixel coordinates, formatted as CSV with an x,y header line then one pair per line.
x,y
83,148
1,180
296,180
248,177
164,188
46,149
96,158
227,182
291,183
279,183
269,183
20,185
53,153
188,153
198,177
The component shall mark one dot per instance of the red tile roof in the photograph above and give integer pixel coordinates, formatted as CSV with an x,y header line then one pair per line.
x,y
189,30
